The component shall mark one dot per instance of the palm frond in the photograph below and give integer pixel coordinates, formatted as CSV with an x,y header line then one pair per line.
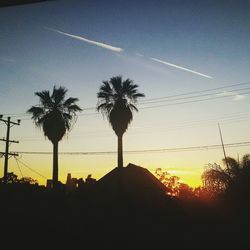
x,y
104,95
58,94
70,101
245,162
67,116
68,120
127,85
36,112
39,122
105,87
74,108
45,98
116,83
133,107
138,95
105,107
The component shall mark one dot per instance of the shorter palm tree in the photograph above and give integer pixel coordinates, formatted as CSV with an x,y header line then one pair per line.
x,y
235,177
117,100
55,115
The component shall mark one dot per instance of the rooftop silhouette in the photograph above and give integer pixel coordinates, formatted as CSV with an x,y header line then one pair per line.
x,y
132,180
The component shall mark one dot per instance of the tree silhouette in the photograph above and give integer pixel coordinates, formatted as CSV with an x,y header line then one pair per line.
x,y
11,178
234,179
215,179
174,186
55,115
117,100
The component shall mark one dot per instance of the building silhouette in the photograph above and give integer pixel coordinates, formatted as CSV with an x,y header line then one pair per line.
x,y
132,181
73,184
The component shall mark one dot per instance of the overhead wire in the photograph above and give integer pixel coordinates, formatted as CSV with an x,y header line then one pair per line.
x,y
34,171
199,91
192,101
19,167
160,99
178,149
169,126
230,93
165,105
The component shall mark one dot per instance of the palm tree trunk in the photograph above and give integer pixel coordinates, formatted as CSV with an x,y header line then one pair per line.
x,y
55,165
120,152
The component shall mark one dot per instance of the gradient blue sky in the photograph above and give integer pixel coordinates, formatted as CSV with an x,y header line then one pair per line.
x,y
210,37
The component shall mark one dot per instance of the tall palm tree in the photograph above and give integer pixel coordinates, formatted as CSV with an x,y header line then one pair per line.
x,y
117,100
55,115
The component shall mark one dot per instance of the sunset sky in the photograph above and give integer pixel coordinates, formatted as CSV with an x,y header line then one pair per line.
x,y
182,54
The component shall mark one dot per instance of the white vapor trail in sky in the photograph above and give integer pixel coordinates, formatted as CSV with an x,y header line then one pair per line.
x,y
179,67
117,49
99,44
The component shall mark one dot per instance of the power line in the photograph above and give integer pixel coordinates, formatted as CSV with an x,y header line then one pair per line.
x,y
200,91
171,104
197,96
170,128
25,165
19,167
192,101
224,119
171,125
212,120
178,149
148,101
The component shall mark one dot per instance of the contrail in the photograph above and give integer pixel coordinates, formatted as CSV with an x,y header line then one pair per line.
x,y
179,67
102,45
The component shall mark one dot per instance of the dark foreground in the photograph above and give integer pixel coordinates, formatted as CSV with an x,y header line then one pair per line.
x,y
31,212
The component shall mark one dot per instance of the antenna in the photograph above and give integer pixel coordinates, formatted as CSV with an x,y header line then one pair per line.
x,y
224,152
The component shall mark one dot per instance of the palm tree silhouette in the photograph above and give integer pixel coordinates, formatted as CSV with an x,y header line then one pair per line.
x,y
55,115
117,100
234,177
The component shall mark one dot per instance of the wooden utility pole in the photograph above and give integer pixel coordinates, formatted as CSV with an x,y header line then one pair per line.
x,y
7,141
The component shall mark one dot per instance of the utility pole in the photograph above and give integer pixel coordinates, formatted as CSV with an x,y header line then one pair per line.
x,y
7,141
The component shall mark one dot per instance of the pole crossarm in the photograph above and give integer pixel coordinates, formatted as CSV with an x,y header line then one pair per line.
x,y
10,154
11,141
7,141
8,121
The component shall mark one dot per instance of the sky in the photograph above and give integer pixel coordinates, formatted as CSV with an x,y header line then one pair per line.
x,y
169,48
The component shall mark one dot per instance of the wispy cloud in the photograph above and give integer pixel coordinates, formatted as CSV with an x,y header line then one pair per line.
x,y
99,44
235,95
239,97
139,54
227,93
181,172
179,67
